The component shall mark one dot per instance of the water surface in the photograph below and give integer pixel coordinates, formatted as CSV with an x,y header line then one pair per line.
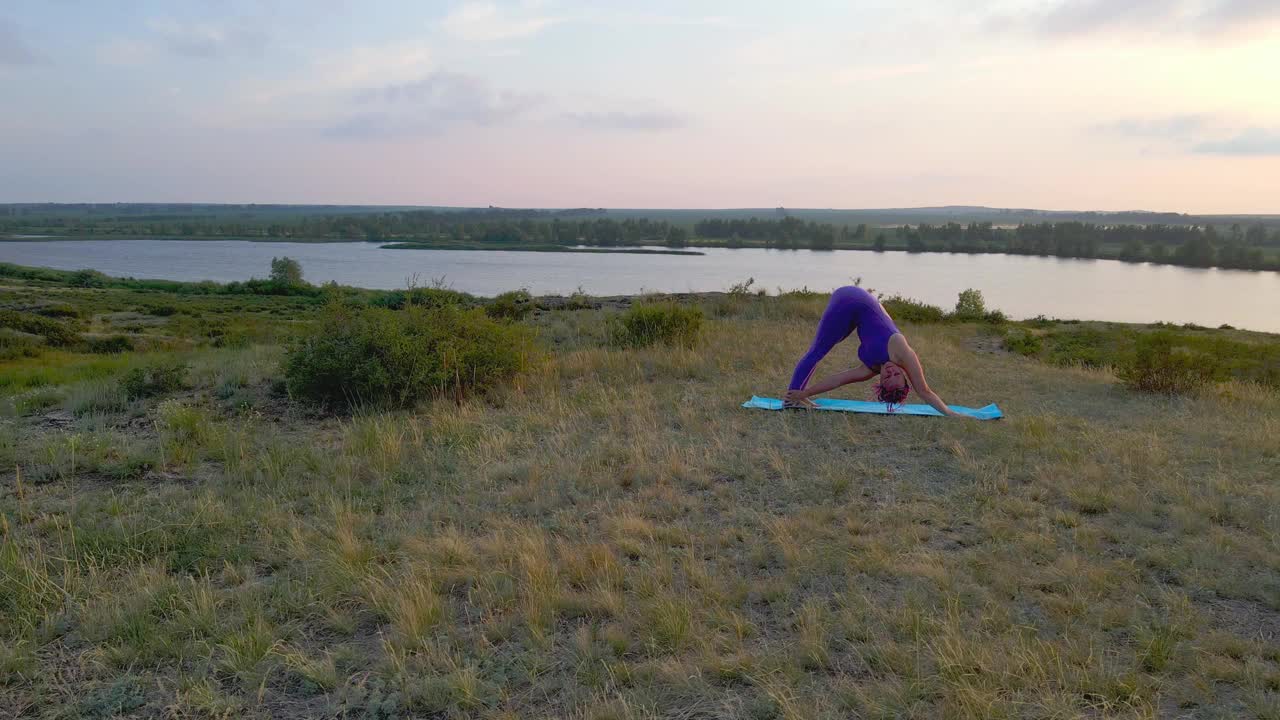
x,y
1021,286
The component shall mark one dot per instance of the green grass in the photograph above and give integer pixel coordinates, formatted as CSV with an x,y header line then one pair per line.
x,y
610,535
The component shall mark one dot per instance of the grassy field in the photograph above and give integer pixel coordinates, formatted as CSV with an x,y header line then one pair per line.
x,y
611,536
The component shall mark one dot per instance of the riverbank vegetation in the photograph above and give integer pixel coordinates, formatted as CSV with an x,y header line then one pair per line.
x,y
1248,244
595,529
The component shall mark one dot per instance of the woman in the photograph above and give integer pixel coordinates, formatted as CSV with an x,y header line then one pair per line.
x,y
883,351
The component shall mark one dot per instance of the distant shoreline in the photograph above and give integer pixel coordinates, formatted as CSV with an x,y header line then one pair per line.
x,y
693,247
536,248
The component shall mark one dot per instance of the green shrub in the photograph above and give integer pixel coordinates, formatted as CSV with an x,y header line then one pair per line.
x,y
121,697
431,297
59,310
656,323
110,345
995,317
970,306
286,271
1082,346
1022,342
913,311
395,358
88,279
36,399
54,332
578,300
160,310
154,380
184,423
514,305
96,396
14,344
1158,365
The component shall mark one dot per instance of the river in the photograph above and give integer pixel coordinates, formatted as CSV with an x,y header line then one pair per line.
x,y
1021,286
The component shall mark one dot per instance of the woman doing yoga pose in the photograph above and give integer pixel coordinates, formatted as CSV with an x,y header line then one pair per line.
x,y
883,351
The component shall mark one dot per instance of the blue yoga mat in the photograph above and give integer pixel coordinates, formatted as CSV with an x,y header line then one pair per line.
x,y
990,412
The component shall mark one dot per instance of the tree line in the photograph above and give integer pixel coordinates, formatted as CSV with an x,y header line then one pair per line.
x,y
1236,246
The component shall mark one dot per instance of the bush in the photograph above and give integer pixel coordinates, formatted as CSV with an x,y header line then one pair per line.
x,y
96,396
286,271
1159,366
514,305
160,310
970,306
914,311
54,332
110,345
18,344
156,379
396,358
656,323
1022,342
422,297
59,310
88,279
1083,346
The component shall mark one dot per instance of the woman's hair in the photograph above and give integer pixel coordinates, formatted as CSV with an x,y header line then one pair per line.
x,y
892,396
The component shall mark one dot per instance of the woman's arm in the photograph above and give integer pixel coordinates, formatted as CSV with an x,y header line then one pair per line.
x,y
827,384
910,362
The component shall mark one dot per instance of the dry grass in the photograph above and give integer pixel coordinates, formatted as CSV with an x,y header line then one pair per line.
x,y
615,538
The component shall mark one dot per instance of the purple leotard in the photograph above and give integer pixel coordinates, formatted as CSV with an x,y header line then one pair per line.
x,y
851,308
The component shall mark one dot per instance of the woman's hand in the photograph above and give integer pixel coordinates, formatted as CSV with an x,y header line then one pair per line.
x,y
797,399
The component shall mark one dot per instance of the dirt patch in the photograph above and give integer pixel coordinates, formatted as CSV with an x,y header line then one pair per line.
x,y
1245,618
57,420
987,345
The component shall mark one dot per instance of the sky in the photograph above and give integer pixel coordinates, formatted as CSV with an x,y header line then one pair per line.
x,y
1165,105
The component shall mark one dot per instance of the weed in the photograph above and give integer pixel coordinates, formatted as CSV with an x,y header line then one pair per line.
x,y
514,305
1022,342
110,345
970,305
1160,366
912,311
155,379
396,358
650,324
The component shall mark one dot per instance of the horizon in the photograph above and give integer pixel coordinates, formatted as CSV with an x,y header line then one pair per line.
x,y
723,209
1017,105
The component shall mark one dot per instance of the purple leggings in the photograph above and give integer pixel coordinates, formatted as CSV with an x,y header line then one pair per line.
x,y
850,308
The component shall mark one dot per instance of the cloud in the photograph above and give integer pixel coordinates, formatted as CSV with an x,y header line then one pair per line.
x,y
1233,13
1071,18
208,40
636,121
430,105
633,19
1172,127
1189,133
13,50
1256,142
870,73
124,52
485,22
